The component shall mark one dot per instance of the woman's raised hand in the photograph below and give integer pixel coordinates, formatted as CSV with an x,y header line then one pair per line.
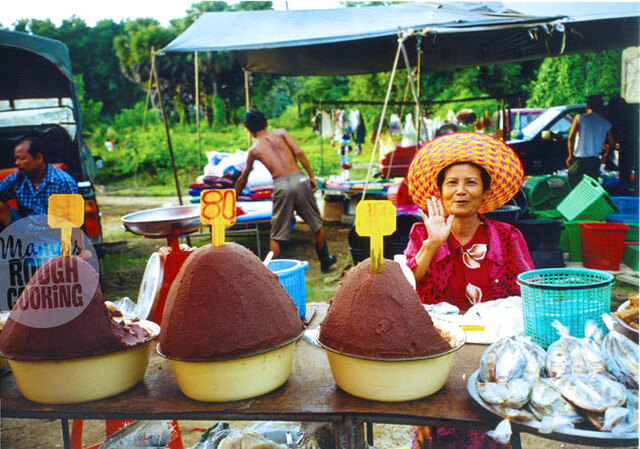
x,y
438,227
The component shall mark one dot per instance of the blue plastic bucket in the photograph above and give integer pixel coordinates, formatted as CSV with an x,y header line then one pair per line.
x,y
291,275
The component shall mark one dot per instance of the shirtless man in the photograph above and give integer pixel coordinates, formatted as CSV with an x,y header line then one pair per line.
x,y
292,190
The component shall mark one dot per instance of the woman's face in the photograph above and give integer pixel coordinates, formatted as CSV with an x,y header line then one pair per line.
x,y
462,190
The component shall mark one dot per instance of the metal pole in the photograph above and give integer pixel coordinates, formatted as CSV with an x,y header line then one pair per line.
x,y
413,85
197,108
384,111
246,98
166,125
66,439
321,138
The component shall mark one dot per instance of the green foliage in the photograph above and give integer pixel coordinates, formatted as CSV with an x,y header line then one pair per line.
x,y
571,79
112,64
89,109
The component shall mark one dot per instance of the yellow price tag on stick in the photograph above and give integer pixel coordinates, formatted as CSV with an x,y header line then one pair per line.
x,y
375,219
218,209
65,212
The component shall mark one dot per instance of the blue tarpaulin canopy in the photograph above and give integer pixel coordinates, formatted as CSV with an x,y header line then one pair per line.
x,y
359,40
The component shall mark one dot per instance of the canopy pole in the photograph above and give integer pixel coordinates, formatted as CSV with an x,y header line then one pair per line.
x,y
418,73
413,84
321,138
146,101
195,54
418,76
246,99
384,112
166,125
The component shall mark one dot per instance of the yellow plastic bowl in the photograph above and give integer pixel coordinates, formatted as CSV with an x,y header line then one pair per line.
x,y
396,380
84,379
234,379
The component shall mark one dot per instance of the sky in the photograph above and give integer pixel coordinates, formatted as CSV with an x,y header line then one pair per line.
x,y
92,11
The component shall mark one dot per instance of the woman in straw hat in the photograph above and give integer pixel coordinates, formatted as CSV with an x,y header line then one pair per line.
x,y
456,254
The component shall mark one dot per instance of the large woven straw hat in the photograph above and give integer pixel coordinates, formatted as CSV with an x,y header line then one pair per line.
x,y
492,154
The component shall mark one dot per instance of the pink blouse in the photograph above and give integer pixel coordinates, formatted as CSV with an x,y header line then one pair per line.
x,y
491,267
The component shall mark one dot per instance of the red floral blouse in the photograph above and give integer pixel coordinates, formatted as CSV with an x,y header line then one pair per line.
x,y
486,266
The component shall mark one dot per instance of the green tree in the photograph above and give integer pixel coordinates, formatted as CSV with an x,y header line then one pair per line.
x,y
571,79
89,109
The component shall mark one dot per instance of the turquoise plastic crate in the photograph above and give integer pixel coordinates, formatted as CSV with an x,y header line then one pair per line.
x,y
587,201
571,296
291,275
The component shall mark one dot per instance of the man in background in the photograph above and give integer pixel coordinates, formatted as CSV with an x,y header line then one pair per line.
x,y
292,190
594,135
33,183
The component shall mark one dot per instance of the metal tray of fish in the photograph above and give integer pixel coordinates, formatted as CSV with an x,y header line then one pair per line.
x,y
576,436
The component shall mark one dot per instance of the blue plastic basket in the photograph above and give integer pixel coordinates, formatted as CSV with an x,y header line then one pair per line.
x,y
291,275
571,296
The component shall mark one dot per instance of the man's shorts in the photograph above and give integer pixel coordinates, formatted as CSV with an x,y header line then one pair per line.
x,y
291,193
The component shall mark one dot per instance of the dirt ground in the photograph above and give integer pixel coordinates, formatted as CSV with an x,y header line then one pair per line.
x,y
122,273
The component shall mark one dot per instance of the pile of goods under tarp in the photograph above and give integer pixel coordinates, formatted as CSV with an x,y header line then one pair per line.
x,y
222,172
577,383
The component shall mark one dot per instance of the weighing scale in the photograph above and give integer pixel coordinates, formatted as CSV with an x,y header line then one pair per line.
x,y
163,265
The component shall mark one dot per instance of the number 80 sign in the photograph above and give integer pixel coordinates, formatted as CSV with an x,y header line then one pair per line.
x,y
218,209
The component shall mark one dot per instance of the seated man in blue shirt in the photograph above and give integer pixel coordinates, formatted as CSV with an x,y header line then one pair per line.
x,y
33,183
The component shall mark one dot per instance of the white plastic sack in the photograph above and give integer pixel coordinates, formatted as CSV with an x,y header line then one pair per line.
x,y
409,133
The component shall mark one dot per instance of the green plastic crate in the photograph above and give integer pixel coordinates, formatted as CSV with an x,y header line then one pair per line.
x,y
546,191
547,214
574,238
587,201
630,257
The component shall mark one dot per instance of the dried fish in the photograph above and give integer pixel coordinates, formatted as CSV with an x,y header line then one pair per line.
x,y
620,420
571,355
592,392
512,394
508,359
547,401
621,357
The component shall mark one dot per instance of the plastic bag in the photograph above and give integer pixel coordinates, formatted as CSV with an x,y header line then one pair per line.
x,y
125,306
502,433
409,133
141,434
502,317
212,437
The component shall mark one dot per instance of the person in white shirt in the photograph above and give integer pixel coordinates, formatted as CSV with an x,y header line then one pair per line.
x,y
594,136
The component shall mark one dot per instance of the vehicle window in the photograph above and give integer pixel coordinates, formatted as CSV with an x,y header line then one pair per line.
x,y
563,125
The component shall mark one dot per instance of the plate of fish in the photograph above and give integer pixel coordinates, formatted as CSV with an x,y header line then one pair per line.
x,y
576,389
576,434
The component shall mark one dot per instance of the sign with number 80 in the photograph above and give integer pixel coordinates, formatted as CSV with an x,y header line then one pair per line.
x,y
218,209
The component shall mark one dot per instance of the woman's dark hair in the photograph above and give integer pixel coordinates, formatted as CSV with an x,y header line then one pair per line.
x,y
255,121
446,129
484,175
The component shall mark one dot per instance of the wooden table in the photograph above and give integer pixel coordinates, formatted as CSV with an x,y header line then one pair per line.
x,y
310,394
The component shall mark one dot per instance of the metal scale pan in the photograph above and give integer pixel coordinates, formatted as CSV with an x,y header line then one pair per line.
x,y
164,221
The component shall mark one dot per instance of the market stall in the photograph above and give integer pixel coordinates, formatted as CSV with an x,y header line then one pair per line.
x,y
310,395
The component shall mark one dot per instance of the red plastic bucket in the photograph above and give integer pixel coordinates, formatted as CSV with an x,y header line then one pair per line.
x,y
603,245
